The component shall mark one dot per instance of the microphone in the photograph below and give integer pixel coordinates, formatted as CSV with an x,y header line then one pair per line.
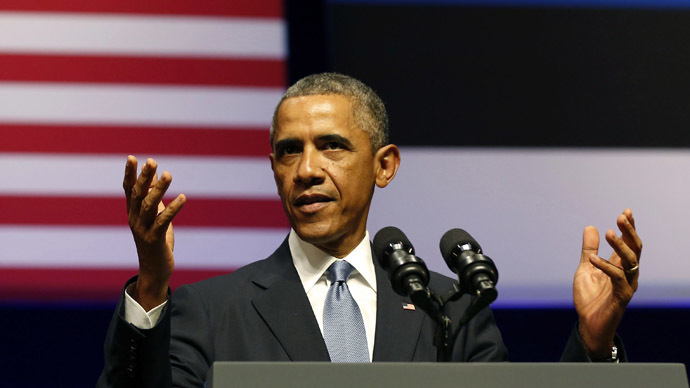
x,y
410,277
408,273
477,273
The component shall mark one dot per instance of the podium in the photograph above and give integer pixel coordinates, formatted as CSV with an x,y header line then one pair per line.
x,y
431,375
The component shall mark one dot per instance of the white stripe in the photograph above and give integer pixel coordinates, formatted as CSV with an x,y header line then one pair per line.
x,y
113,247
149,105
102,175
142,35
528,208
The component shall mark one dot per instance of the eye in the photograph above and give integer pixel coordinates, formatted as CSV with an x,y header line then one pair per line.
x,y
289,150
334,145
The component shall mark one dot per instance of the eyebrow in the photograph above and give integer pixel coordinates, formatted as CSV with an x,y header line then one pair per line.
x,y
335,138
290,141
293,141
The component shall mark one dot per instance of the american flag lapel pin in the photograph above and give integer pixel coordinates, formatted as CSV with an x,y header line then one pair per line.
x,y
408,306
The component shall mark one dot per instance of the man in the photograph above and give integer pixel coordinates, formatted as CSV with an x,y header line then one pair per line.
x,y
330,148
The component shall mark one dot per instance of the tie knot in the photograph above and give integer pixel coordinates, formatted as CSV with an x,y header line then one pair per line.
x,y
339,271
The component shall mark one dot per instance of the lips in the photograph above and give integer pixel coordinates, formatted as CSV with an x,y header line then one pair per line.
x,y
310,203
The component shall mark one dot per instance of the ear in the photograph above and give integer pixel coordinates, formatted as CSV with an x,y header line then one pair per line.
x,y
272,157
387,161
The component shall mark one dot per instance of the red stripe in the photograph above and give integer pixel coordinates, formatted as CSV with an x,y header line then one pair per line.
x,y
108,211
87,284
143,70
247,8
134,140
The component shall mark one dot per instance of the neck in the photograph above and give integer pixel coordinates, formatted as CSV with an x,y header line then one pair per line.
x,y
343,247
336,247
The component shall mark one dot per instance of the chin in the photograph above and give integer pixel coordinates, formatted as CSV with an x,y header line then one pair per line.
x,y
314,234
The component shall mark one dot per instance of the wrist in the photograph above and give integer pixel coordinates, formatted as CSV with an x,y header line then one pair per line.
x,y
147,293
598,346
610,357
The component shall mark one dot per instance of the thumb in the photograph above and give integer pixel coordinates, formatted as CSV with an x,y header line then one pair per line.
x,y
590,243
169,234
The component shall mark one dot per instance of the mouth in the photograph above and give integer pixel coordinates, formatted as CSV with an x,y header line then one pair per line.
x,y
310,203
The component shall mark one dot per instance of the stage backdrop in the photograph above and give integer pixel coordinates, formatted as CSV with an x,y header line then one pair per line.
x,y
521,121
83,84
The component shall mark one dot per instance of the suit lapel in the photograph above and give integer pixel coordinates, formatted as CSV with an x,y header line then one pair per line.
x,y
397,329
285,308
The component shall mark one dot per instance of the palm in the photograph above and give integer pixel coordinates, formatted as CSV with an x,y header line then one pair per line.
x,y
602,289
594,298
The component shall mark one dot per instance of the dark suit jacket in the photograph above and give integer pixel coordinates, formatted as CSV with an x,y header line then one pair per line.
x,y
261,313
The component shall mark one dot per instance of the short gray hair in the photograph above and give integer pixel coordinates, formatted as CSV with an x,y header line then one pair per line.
x,y
369,111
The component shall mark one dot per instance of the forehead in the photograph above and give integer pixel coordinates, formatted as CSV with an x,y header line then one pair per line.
x,y
315,113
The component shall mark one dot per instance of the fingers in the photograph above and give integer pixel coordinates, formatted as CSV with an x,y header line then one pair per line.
x,y
130,178
628,257
626,224
627,248
141,187
145,195
590,243
628,214
618,279
150,205
165,217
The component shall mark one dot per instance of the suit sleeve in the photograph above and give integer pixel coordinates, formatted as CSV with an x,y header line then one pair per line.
x,y
133,357
160,357
575,352
191,343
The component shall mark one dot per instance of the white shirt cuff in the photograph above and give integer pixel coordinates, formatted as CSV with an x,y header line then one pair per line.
x,y
137,316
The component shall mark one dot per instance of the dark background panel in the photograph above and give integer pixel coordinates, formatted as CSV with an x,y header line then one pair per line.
x,y
495,76
56,345
649,334
308,43
62,345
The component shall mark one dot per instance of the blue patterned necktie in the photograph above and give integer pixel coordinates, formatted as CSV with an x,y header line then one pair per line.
x,y
343,327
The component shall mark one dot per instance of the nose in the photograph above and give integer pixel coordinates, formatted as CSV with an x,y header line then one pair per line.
x,y
310,168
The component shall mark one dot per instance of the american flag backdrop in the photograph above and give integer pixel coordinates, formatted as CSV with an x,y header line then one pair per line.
x,y
194,84
85,83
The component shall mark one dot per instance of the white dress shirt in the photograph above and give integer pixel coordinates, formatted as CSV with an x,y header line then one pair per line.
x,y
311,264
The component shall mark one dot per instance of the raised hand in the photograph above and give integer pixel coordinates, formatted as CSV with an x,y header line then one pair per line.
x,y
601,288
151,225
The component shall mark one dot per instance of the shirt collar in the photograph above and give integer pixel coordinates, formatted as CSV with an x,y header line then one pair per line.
x,y
311,262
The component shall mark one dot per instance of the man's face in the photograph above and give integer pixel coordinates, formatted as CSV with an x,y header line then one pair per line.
x,y
325,171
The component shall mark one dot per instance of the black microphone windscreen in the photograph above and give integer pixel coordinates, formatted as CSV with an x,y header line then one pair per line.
x,y
454,237
386,236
